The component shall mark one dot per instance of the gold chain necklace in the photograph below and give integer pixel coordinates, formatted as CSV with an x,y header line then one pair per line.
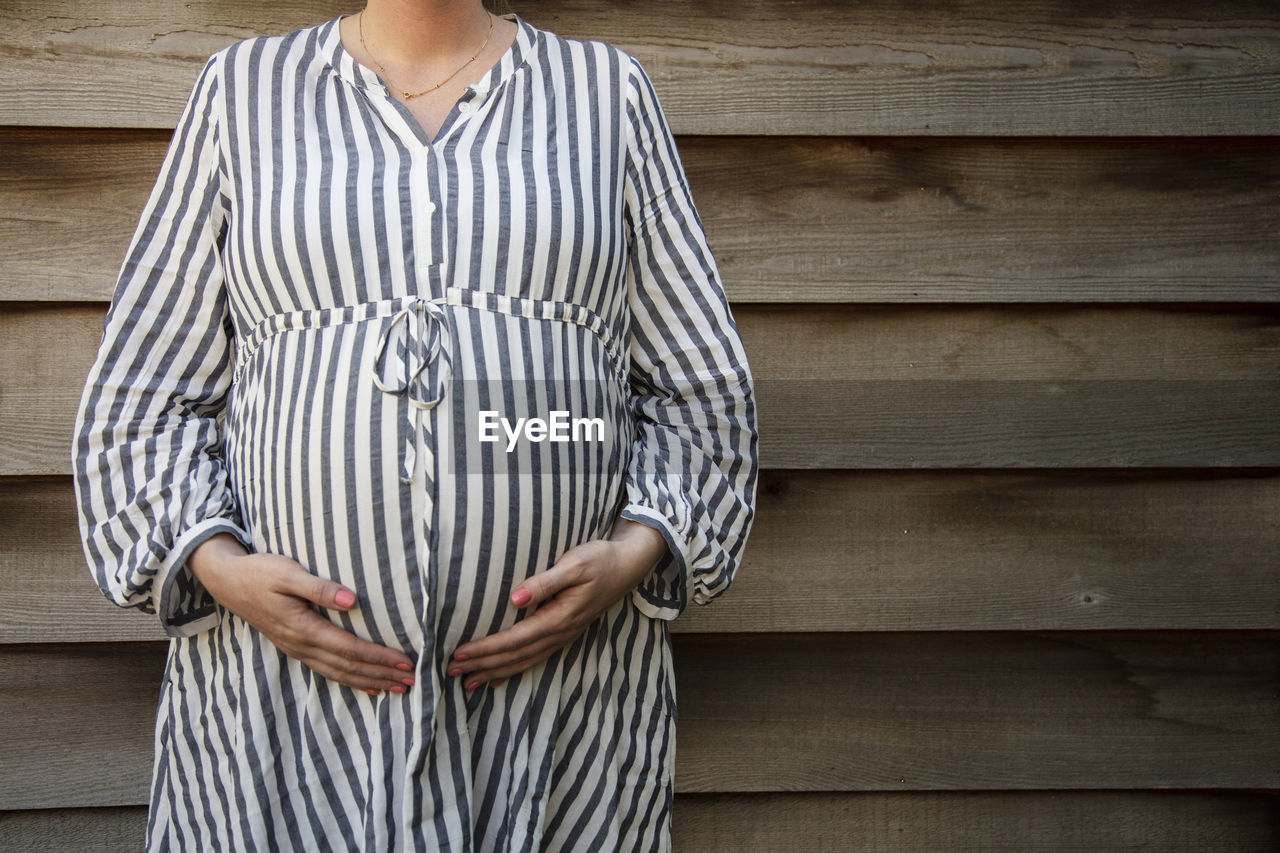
x,y
407,95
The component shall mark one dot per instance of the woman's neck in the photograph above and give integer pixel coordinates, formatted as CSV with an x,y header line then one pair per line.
x,y
420,35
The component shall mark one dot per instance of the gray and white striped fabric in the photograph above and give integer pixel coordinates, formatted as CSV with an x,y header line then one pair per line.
x,y
316,304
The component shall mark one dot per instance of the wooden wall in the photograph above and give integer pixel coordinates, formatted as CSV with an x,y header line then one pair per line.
x,y
1009,276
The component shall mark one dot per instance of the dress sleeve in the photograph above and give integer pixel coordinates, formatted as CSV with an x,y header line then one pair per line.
x,y
693,464
149,475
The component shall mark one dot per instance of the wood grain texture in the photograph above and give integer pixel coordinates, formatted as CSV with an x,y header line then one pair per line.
x,y
895,67
969,711
103,830
79,723
980,220
804,219
855,551
873,387
1056,822
70,201
796,712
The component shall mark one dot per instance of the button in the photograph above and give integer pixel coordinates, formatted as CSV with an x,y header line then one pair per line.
x,y
464,107
431,207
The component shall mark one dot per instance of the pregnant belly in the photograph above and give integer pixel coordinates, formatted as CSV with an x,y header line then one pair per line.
x,y
522,459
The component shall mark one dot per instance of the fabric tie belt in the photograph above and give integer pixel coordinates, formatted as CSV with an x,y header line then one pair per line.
x,y
418,339
414,356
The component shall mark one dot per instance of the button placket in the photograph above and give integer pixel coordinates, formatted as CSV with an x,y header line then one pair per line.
x,y
434,277
423,193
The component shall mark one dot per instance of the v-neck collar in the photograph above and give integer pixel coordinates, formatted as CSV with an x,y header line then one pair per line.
x,y
341,61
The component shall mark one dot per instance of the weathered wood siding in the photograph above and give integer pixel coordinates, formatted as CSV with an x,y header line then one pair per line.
x,y
1009,276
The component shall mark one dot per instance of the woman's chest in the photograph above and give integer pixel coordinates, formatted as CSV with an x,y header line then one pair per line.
x,y
343,200
430,115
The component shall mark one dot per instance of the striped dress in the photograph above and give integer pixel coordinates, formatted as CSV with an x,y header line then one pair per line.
x,y
319,326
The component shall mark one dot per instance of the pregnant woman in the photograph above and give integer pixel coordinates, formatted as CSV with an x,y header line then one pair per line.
x,y
386,632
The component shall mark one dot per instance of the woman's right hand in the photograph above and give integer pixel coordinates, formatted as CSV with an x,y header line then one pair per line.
x,y
272,593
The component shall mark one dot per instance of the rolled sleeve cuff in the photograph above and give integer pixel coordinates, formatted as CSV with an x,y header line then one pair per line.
x,y
662,594
184,606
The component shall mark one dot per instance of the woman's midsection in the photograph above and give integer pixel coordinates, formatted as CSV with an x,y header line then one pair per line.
x,y
523,458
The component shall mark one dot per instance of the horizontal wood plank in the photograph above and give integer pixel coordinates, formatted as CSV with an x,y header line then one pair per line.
x,y
1011,424
1057,822
797,712
79,724
978,822
854,551
970,711
885,387
103,830
883,220
992,68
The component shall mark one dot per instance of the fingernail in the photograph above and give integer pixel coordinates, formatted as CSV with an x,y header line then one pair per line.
x,y
521,597
408,681
405,666
473,685
457,670
460,656
396,689
371,692
345,598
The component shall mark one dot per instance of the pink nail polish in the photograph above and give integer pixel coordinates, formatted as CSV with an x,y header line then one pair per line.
x,y
457,670
408,681
460,656
521,597
345,598
405,666
396,689
473,685
371,692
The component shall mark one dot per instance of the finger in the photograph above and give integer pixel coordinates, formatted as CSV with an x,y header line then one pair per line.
x,y
568,571
384,676
326,593
308,631
326,666
520,657
496,676
538,624
339,653
339,668
359,652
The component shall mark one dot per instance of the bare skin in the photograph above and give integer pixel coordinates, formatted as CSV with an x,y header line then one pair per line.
x,y
274,594
421,43
584,582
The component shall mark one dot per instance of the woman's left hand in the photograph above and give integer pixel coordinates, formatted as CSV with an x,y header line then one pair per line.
x,y
583,583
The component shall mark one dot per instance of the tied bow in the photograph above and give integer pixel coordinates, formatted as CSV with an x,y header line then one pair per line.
x,y
418,336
